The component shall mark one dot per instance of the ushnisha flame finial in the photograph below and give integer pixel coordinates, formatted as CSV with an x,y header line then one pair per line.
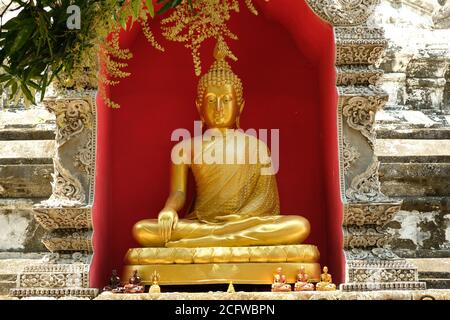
x,y
220,72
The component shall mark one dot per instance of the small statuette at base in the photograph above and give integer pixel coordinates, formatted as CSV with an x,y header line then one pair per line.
x,y
302,283
114,282
231,288
155,288
134,285
326,282
279,282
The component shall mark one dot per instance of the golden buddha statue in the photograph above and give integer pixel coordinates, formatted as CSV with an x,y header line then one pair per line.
x,y
235,204
234,231
302,283
326,282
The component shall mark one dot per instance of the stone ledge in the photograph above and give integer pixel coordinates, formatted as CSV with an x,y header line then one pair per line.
x,y
412,147
26,181
315,295
431,264
34,133
27,151
414,133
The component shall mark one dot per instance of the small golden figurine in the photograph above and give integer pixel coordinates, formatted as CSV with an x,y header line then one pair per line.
x,y
302,283
231,288
326,282
279,282
155,288
134,285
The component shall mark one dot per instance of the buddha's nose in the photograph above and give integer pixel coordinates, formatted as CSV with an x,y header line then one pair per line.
x,y
219,106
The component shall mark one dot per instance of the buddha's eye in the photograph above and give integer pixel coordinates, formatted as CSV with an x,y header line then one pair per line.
x,y
211,99
226,99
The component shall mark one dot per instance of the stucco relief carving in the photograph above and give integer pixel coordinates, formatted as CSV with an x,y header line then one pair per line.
x,y
63,218
363,91
376,214
79,293
84,158
343,12
365,236
66,186
360,113
352,75
381,275
54,280
359,46
380,256
350,155
366,187
73,174
359,54
74,242
360,34
72,116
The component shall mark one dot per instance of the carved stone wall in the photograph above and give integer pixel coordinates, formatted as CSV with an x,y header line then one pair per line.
x,y
370,265
418,53
417,81
66,215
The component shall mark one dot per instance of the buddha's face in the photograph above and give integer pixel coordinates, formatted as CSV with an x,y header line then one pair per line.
x,y
219,108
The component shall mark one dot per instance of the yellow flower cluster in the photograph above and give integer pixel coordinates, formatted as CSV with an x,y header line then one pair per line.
x,y
191,25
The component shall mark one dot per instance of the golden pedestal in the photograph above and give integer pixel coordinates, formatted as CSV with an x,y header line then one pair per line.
x,y
241,265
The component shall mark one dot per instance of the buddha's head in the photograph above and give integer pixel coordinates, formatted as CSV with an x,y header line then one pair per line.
x,y
220,93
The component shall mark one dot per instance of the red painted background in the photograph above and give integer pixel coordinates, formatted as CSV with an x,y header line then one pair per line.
x,y
286,62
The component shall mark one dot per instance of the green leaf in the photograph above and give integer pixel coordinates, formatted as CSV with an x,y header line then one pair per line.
x,y
136,5
5,77
14,88
150,7
22,38
27,93
123,21
165,7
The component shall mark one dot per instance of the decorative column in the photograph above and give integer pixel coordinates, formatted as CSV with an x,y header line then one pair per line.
x,y
370,264
66,216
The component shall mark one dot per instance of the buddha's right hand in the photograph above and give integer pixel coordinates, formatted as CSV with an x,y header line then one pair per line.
x,y
167,221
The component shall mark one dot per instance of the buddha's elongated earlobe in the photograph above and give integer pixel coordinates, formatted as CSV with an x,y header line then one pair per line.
x,y
242,107
199,106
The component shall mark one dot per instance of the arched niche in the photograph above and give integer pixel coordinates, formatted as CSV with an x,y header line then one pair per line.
x,y
286,62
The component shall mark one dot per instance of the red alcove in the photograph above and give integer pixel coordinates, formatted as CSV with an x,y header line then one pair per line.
x,y
286,62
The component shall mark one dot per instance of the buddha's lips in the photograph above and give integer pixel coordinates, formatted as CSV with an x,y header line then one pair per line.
x,y
219,117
